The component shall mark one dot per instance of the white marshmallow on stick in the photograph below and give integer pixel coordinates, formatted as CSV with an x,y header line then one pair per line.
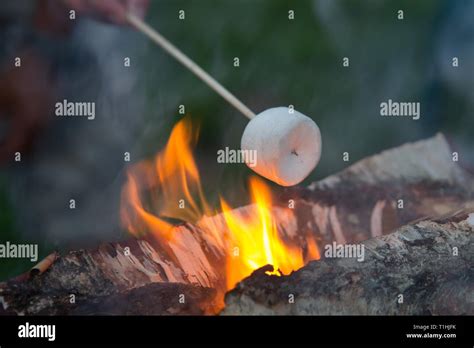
x,y
287,143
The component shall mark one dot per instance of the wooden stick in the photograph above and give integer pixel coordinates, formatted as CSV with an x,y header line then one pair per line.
x,y
188,63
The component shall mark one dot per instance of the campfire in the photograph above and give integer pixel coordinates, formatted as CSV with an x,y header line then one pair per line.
x,y
168,188
187,257
106,241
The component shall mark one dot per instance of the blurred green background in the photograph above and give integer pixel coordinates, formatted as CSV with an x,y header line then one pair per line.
x,y
299,62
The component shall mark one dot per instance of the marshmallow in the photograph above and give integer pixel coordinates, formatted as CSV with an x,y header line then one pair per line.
x,y
287,145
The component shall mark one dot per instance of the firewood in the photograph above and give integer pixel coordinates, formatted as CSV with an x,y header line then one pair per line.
x,y
34,298
371,198
424,268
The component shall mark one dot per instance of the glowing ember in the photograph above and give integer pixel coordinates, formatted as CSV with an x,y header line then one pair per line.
x,y
245,241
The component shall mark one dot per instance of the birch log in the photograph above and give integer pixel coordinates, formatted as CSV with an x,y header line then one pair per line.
x,y
370,198
422,269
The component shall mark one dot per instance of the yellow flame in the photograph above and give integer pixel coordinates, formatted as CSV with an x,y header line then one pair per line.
x,y
173,189
256,241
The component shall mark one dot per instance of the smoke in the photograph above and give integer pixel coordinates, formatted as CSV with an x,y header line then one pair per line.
x,y
79,159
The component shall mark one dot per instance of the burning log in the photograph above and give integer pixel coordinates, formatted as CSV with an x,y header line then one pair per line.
x,y
38,298
378,194
422,269
371,198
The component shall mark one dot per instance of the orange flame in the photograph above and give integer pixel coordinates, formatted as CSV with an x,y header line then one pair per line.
x,y
172,180
175,187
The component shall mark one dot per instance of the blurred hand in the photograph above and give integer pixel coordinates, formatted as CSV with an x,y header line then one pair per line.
x,y
26,103
113,11
53,15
